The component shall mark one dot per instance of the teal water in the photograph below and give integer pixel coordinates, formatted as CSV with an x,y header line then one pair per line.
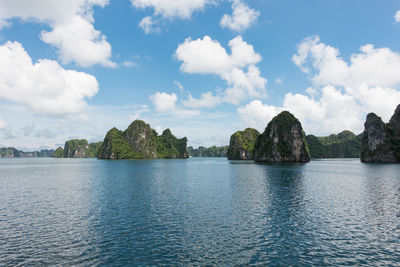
x,y
204,211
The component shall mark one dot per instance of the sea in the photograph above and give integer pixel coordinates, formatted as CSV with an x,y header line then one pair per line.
x,y
198,212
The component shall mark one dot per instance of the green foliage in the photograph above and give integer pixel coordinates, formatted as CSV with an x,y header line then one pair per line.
x,y
283,122
115,146
343,145
94,148
242,141
168,146
213,151
59,153
139,141
71,146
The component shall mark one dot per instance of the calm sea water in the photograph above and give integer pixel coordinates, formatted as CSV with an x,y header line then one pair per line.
x,y
204,211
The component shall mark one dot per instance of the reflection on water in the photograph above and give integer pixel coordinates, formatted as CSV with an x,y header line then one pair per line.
x,y
203,211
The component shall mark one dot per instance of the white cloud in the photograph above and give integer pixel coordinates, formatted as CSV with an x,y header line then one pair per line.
x,y
164,102
3,124
28,129
168,9
278,81
147,25
257,115
348,90
129,64
242,17
45,87
171,9
238,69
397,16
71,23
372,76
207,100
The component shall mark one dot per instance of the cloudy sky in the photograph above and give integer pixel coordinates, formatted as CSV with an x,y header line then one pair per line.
x,y
204,68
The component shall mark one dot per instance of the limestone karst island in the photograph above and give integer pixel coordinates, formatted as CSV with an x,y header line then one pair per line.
x,y
200,133
283,140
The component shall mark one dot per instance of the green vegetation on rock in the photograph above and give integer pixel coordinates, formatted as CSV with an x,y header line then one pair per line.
x,y
380,141
59,153
76,148
241,145
282,141
212,151
343,145
168,146
140,141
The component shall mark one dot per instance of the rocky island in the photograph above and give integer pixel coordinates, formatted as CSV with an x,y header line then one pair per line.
x,y
343,145
76,148
140,141
213,151
282,141
381,142
241,145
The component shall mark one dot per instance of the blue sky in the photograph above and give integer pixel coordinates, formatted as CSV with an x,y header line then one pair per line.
x,y
205,69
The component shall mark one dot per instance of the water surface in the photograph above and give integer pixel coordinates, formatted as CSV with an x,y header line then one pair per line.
x,y
200,211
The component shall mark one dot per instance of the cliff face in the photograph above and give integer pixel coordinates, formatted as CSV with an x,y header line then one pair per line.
x,y
76,149
381,142
343,145
282,141
241,145
115,146
80,149
140,141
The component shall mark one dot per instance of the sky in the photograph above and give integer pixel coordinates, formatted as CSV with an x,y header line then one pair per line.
x,y
203,68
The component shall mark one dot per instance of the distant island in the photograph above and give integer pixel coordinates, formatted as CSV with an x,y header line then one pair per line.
x,y
283,140
11,152
78,149
213,151
140,141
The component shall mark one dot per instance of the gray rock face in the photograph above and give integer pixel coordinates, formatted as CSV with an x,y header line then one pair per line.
x,y
241,145
142,138
282,141
381,142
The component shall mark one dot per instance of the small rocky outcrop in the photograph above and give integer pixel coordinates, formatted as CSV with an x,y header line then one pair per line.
x,y
59,153
381,142
241,145
140,141
76,148
282,141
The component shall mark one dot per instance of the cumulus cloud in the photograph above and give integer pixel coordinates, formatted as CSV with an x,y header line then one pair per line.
x,y
3,124
45,87
72,32
397,16
28,129
207,100
242,17
168,9
238,69
369,82
164,101
171,9
147,25
167,104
